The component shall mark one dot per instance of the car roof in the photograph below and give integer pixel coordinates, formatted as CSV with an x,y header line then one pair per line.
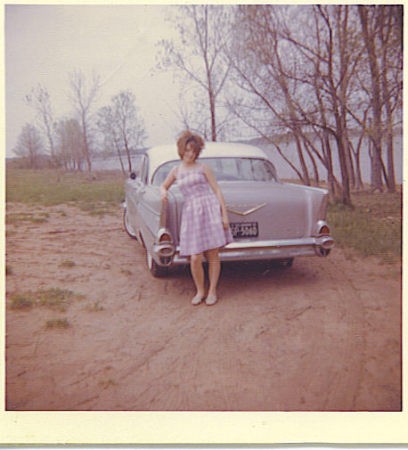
x,y
163,153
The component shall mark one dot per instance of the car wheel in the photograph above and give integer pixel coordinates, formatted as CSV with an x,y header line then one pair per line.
x,y
287,262
128,227
156,270
324,251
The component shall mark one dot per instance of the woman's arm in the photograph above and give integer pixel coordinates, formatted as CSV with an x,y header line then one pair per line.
x,y
170,179
214,186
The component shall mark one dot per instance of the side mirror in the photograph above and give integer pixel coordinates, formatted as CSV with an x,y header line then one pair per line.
x,y
133,176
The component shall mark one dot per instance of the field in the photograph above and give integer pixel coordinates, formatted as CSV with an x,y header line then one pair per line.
x,y
88,328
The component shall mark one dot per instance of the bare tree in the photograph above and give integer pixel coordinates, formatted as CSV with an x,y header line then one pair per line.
x,y
40,100
203,32
302,70
299,66
69,144
376,131
261,69
130,126
29,145
339,63
83,95
106,125
120,123
392,64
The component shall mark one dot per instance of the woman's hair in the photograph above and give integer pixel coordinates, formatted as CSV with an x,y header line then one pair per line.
x,y
195,140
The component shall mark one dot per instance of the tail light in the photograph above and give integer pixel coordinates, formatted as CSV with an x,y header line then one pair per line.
x,y
165,237
324,230
164,246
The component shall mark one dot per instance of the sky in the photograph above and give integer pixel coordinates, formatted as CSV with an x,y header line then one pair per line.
x,y
44,43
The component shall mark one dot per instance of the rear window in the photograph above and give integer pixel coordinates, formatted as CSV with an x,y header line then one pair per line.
x,y
227,169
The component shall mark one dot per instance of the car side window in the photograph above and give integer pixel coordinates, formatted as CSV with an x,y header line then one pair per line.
x,y
144,169
161,173
261,171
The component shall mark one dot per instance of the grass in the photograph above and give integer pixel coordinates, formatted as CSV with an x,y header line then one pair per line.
x,y
57,323
53,298
67,263
372,227
126,272
22,301
98,196
13,218
95,307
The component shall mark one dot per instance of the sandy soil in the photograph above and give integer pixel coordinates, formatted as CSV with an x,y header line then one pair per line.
x,y
322,335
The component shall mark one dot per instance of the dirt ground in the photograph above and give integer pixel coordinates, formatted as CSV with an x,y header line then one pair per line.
x,y
323,335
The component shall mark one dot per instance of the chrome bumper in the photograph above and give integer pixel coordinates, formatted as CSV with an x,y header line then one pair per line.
x,y
258,250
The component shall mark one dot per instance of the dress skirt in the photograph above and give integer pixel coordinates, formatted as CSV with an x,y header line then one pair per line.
x,y
201,221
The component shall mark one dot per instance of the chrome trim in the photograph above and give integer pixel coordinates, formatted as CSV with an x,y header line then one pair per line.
x,y
249,211
161,251
241,243
258,250
164,250
248,250
325,242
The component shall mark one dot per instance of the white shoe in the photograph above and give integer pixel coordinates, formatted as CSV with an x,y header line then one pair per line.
x,y
210,300
197,299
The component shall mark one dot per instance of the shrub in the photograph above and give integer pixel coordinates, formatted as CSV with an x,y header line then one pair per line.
x,y
22,301
58,323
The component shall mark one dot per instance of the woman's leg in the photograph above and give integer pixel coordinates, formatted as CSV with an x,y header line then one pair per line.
x,y
214,268
197,271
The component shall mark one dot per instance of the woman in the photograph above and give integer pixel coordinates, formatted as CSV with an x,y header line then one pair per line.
x,y
204,223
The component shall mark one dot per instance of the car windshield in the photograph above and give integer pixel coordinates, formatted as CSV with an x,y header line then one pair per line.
x,y
227,169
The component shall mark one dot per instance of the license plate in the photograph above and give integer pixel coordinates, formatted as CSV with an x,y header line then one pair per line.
x,y
244,229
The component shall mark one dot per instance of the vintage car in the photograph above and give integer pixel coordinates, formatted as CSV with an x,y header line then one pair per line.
x,y
269,219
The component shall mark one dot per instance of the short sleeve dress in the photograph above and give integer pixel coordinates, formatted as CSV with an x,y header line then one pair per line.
x,y
201,221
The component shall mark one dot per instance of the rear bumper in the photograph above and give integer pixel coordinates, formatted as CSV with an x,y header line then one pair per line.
x,y
261,250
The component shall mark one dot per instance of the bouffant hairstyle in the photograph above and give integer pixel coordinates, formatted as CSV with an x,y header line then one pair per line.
x,y
188,138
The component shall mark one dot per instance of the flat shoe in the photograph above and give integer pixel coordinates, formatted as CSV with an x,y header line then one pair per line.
x,y
211,301
197,300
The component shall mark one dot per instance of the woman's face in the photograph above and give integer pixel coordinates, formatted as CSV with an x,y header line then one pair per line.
x,y
189,154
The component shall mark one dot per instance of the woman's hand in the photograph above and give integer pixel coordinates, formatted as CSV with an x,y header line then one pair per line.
x,y
170,179
163,193
225,221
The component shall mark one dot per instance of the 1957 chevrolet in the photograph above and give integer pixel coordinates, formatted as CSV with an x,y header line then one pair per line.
x,y
269,219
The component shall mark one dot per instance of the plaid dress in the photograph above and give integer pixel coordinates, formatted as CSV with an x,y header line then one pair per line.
x,y
201,220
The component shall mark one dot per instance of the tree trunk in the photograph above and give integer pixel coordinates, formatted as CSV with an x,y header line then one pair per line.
x,y
390,162
346,198
86,147
212,110
127,153
305,172
357,164
120,157
314,165
376,131
329,160
389,138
